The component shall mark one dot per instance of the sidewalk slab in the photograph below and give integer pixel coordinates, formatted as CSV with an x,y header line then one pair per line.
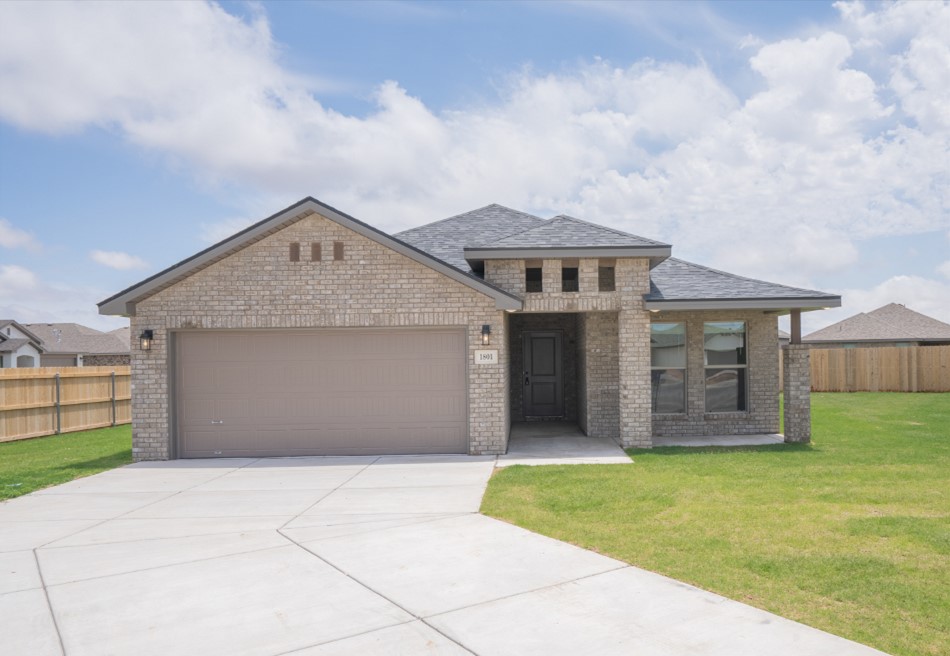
x,y
265,602
433,567
632,611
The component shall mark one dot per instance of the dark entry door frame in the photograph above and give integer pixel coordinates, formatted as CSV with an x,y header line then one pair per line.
x,y
542,379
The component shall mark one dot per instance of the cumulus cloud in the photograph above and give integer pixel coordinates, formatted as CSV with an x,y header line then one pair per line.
x,y
212,233
118,260
846,137
28,298
944,269
13,237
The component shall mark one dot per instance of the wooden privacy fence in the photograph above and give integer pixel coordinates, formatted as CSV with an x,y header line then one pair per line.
x,y
50,400
880,369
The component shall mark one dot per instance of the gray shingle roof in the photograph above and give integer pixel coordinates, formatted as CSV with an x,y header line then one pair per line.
x,y
445,239
892,322
678,280
124,335
12,344
567,232
75,338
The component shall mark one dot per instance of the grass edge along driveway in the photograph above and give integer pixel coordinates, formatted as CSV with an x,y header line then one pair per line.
x,y
850,534
30,465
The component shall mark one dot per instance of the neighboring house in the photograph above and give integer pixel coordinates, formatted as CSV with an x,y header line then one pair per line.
x,y
890,325
19,347
74,345
784,337
314,333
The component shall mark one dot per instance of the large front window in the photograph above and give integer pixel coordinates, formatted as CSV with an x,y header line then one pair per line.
x,y
668,367
724,344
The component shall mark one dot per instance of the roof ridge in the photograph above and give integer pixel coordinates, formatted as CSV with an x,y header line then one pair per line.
x,y
461,214
738,277
608,229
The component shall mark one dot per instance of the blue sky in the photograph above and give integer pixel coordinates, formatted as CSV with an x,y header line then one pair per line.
x,y
803,142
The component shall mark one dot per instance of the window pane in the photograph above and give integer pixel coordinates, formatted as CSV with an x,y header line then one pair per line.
x,y
669,391
725,390
532,279
668,345
724,342
569,279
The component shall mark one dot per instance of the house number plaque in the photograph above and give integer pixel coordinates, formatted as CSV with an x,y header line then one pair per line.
x,y
486,357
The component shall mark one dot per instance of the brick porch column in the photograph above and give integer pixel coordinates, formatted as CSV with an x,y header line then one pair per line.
x,y
796,382
636,410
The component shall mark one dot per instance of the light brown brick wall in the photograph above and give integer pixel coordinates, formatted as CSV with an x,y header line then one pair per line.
x,y
796,383
259,287
599,371
105,360
762,377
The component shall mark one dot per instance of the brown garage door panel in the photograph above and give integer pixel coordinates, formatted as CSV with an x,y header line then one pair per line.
x,y
321,392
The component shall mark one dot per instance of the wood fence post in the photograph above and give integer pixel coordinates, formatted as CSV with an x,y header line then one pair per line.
x,y
59,414
113,398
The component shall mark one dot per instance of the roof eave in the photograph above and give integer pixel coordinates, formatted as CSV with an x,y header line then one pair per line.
x,y
803,304
124,302
656,254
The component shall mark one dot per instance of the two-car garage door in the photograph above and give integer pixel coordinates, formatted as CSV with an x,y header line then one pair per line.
x,y
320,392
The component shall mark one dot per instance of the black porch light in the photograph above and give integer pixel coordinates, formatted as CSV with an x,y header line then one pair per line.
x,y
486,334
145,339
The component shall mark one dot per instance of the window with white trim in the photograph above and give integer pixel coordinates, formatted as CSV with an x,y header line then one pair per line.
x,y
726,366
668,367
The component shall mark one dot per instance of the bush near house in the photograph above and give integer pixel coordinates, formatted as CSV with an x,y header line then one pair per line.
x,y
850,534
29,465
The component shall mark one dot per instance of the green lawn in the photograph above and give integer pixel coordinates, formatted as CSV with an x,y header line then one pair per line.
x,y
29,465
850,534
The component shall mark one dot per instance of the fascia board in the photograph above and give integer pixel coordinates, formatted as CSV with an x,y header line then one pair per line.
x,y
124,302
806,304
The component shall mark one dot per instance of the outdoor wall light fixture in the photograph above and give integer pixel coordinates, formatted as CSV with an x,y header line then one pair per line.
x,y
486,335
145,339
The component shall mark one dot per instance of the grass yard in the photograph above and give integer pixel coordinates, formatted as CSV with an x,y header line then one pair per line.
x,y
29,465
850,534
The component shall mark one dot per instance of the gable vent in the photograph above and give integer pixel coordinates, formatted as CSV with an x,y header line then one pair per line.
x,y
338,250
295,251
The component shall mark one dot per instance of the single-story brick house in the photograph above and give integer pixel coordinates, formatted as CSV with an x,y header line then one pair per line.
x,y
314,333
890,325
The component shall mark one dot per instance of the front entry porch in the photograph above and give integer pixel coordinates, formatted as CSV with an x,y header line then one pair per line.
x,y
558,443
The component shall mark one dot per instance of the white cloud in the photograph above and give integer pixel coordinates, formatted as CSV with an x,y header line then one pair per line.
x,y
13,237
844,140
27,298
212,233
118,260
944,269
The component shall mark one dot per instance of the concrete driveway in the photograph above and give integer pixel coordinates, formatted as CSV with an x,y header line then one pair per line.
x,y
317,556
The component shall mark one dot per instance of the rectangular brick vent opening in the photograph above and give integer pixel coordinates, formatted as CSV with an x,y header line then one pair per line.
x,y
569,279
315,252
606,278
338,250
295,251
532,280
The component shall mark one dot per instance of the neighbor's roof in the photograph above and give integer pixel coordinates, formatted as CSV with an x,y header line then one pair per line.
x,y
892,322
679,285
124,302
124,334
75,338
23,329
11,344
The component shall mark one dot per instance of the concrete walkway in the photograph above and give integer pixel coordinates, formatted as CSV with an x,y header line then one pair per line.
x,y
319,556
559,443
